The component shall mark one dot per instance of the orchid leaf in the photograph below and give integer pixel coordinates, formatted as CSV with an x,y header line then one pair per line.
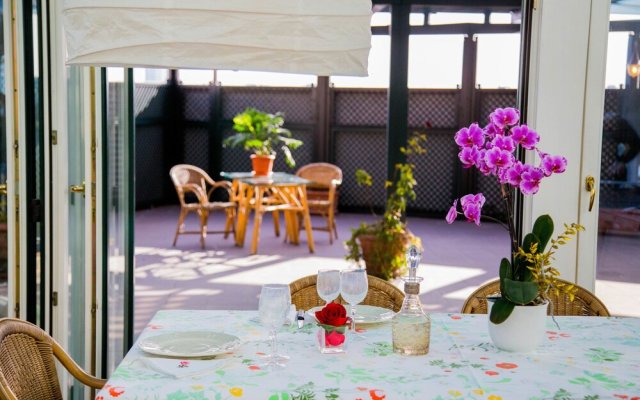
x,y
501,310
543,229
529,240
520,292
505,272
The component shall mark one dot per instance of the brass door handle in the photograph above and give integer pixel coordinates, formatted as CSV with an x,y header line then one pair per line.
x,y
77,188
3,189
590,186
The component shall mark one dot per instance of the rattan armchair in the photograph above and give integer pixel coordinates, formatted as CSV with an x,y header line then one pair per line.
x,y
585,303
381,293
191,179
322,193
27,367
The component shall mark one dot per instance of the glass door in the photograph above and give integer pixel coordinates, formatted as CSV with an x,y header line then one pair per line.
x,y
4,278
618,214
77,266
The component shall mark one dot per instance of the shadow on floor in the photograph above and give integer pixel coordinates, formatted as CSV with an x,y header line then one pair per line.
x,y
457,259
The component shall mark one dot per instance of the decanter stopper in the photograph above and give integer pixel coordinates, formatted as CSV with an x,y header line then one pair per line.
x,y
412,282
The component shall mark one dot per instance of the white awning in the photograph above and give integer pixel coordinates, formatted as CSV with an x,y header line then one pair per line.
x,y
318,37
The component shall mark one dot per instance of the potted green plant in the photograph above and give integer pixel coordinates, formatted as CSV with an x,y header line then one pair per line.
x,y
382,245
517,316
260,133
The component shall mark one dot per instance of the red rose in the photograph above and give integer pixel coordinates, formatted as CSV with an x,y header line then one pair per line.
x,y
333,314
333,338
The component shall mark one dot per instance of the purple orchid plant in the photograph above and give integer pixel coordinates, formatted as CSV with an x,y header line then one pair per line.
x,y
492,151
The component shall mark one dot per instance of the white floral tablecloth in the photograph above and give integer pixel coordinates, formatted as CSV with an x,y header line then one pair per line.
x,y
588,358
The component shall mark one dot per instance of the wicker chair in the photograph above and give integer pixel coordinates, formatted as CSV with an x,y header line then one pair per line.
x,y
27,367
381,293
190,179
585,303
322,193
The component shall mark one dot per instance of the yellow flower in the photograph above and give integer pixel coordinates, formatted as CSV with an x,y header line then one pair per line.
x,y
455,393
197,387
494,397
236,391
478,391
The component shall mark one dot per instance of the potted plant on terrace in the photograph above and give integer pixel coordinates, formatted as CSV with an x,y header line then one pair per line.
x,y
260,132
382,245
526,276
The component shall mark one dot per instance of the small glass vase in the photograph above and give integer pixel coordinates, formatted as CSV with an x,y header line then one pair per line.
x,y
332,341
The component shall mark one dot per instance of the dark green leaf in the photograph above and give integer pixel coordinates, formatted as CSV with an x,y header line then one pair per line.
x,y
543,229
529,240
501,310
520,292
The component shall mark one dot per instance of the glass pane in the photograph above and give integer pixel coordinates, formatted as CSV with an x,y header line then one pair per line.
x,y
76,277
4,300
116,181
498,61
435,61
617,275
379,55
254,78
379,63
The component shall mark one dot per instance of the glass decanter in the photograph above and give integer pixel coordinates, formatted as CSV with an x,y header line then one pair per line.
x,y
411,325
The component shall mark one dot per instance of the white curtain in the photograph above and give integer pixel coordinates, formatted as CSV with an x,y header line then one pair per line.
x,y
319,37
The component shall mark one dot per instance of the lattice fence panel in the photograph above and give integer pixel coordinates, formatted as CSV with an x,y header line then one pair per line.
x,y
438,108
234,159
611,109
295,103
198,101
361,150
150,177
434,173
148,100
197,147
360,107
492,99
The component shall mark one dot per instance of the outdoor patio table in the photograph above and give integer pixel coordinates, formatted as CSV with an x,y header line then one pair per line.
x,y
277,192
587,358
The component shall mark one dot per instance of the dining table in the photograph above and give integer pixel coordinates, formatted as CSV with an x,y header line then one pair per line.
x,y
277,192
580,358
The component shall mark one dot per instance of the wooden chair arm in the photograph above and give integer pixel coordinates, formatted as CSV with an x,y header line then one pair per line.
x,y
226,185
75,369
197,190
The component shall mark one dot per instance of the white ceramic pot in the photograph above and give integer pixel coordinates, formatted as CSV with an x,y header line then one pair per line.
x,y
522,331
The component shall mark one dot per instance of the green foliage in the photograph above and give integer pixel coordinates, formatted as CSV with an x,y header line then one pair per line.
x,y
261,132
530,278
391,230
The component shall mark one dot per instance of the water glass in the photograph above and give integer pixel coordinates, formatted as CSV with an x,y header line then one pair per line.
x,y
272,309
354,286
328,284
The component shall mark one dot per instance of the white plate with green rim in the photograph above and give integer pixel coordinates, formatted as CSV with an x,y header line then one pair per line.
x,y
189,344
365,314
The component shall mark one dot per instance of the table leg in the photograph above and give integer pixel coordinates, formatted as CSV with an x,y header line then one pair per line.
x,y
244,207
257,219
307,218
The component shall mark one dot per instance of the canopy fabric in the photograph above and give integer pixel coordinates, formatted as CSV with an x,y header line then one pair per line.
x,y
319,37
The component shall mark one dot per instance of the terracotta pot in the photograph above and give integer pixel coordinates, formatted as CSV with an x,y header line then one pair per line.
x,y
262,165
375,251
523,331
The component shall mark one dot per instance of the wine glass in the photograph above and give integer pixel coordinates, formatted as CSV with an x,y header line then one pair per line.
x,y
353,288
328,284
272,309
